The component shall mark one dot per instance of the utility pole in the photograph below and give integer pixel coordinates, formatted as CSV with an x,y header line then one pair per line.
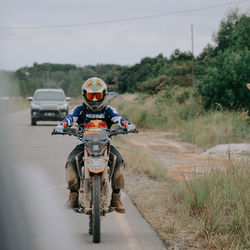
x,y
192,43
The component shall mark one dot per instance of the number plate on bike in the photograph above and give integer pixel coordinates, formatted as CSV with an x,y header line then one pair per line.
x,y
96,164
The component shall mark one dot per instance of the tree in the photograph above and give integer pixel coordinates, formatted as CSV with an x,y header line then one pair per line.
x,y
241,34
224,37
225,80
177,55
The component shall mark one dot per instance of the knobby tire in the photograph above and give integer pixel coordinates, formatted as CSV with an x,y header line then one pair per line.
x,y
96,210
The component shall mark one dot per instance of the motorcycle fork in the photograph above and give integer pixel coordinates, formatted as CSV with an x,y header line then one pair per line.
x,y
79,159
104,186
85,187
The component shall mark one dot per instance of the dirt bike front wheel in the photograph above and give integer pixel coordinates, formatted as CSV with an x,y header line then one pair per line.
x,y
96,209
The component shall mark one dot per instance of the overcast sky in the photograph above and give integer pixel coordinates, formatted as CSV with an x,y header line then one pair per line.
x,y
123,42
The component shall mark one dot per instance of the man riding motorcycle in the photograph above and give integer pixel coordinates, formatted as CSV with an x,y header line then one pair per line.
x,y
94,92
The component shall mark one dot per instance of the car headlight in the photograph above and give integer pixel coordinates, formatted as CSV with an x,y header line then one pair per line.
x,y
63,106
35,106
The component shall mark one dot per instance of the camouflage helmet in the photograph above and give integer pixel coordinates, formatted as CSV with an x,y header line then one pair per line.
x,y
94,91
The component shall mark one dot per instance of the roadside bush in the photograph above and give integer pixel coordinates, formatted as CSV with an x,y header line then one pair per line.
x,y
175,94
153,86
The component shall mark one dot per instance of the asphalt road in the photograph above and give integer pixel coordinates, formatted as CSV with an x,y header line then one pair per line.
x,y
39,161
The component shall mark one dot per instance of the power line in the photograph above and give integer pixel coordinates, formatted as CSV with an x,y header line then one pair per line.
x,y
122,19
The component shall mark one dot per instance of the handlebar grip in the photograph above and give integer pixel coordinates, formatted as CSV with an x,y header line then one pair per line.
x,y
58,133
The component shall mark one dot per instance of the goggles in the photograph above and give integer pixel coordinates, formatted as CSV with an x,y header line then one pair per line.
x,y
93,97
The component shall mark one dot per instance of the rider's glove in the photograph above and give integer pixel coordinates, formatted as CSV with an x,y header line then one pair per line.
x,y
59,128
131,127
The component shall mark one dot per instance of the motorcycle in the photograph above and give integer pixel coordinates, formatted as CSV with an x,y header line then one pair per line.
x,y
95,172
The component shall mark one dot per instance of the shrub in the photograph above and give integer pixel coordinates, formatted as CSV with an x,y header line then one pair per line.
x,y
225,80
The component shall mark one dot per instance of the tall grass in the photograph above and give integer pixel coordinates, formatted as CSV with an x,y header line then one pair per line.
x,y
179,110
218,203
217,127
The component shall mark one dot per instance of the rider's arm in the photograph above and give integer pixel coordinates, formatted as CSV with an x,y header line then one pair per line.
x,y
72,116
116,118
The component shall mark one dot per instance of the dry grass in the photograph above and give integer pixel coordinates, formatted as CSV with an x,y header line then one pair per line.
x,y
207,212
180,112
214,128
140,162
218,203
14,104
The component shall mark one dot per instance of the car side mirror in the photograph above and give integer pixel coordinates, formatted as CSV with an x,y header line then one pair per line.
x,y
30,98
68,99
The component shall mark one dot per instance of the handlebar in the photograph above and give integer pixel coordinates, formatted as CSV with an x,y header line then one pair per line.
x,y
114,132
79,133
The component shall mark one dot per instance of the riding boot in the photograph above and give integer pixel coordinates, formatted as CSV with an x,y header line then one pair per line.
x,y
116,203
73,185
73,200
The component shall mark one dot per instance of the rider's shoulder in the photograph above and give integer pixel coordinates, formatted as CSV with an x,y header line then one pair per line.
x,y
111,110
77,109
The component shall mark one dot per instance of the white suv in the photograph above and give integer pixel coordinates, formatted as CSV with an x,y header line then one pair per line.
x,y
48,105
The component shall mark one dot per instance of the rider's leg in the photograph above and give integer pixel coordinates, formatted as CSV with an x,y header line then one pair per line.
x,y
117,181
72,177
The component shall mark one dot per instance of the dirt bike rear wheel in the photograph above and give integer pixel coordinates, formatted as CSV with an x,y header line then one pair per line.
x,y
96,210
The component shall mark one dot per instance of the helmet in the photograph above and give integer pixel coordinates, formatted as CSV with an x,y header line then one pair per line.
x,y
94,91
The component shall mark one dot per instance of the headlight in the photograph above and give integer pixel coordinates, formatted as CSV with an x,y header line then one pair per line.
x,y
35,106
63,106
96,147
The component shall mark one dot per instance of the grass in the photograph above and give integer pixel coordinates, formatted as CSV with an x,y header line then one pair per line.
x,y
14,104
177,109
216,127
218,203
215,205
140,162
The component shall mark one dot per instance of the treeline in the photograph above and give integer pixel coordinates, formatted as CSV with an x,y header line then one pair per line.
x,y
221,71
66,76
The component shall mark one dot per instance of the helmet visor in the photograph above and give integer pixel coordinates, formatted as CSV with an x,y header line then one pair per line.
x,y
93,97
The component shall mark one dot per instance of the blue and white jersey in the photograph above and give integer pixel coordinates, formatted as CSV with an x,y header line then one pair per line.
x,y
108,112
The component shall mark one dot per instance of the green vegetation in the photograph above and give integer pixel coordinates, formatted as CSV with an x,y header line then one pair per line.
x,y
157,72
217,127
225,69
65,76
179,110
218,203
225,79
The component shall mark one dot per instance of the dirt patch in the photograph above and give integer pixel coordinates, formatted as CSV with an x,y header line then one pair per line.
x,y
180,158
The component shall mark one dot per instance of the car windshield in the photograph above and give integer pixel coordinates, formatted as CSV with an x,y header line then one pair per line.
x,y
49,96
